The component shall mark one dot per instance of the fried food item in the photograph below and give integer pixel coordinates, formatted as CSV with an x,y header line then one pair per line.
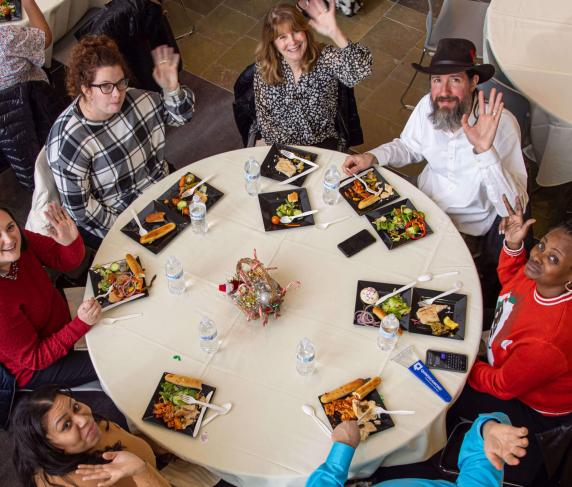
x,y
365,429
292,197
157,233
155,217
377,311
370,200
134,266
365,389
343,407
364,410
184,381
430,314
342,391
449,323
285,167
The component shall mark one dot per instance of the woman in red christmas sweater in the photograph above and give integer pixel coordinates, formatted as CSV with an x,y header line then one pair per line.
x,y
527,373
36,331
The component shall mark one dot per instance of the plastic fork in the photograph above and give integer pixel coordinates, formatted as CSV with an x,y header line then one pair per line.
x,y
376,193
379,410
323,226
191,400
142,231
426,302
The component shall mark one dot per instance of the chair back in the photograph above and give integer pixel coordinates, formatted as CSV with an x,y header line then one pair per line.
x,y
348,124
516,103
7,393
457,18
244,107
45,191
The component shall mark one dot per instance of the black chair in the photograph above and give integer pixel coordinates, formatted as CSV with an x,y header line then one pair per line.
x,y
348,125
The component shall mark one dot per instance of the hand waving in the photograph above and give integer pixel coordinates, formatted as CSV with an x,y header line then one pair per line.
x,y
124,464
504,443
166,68
515,228
62,228
482,134
323,20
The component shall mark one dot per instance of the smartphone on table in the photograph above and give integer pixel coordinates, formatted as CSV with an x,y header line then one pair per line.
x,y
355,243
455,362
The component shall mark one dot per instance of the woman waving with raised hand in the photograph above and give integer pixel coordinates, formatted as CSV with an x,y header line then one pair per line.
x,y
296,78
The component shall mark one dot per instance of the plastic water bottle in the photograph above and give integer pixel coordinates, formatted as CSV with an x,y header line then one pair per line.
x,y
331,183
174,273
387,337
305,356
198,212
208,335
252,176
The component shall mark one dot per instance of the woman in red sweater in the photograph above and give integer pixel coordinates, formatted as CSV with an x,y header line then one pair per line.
x,y
527,373
36,331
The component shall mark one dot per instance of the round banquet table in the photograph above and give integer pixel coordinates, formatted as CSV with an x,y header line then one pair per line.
x,y
531,43
61,16
266,440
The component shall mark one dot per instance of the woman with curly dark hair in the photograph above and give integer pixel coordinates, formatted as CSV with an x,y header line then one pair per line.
x,y
108,145
59,442
296,78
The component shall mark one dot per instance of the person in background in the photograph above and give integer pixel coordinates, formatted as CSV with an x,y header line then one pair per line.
x,y
472,150
489,443
36,331
108,145
527,373
296,79
28,104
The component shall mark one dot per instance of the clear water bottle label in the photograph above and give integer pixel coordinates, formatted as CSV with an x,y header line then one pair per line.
x,y
174,277
387,334
331,185
251,177
208,338
306,359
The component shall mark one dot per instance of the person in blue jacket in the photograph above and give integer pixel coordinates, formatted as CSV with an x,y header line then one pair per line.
x,y
490,443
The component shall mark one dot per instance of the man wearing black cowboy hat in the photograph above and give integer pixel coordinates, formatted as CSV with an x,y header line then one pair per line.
x,y
472,151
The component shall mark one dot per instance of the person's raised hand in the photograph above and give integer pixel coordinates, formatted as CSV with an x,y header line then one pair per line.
x,y
89,311
323,20
514,226
358,162
123,464
62,228
347,432
482,134
166,71
504,443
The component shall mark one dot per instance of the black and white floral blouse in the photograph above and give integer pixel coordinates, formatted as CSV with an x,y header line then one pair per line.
x,y
304,113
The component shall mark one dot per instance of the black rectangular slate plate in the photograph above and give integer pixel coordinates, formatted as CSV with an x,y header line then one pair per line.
x,y
171,216
457,312
385,421
382,288
213,195
150,418
268,169
270,201
105,304
354,204
385,211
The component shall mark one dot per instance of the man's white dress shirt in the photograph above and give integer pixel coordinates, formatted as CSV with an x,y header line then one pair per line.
x,y
467,186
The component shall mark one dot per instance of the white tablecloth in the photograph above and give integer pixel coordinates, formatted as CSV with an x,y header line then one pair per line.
x,y
266,440
61,16
532,42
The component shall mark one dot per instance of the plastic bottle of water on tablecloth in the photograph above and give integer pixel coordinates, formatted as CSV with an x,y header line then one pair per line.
x,y
175,275
331,185
208,335
305,357
387,337
252,176
198,213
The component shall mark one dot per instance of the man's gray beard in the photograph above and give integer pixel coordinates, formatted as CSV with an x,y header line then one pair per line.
x,y
449,119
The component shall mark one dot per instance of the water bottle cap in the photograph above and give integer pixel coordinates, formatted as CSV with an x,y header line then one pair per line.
x,y
196,198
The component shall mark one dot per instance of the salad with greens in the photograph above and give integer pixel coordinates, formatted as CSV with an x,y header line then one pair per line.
x,y
395,305
402,223
169,393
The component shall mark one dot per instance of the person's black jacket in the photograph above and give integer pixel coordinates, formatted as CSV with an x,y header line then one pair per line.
x,y
138,27
7,392
348,124
27,112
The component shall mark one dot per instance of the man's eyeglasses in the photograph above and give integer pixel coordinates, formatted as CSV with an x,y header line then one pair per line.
x,y
107,88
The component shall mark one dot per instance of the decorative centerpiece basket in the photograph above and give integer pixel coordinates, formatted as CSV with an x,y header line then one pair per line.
x,y
254,291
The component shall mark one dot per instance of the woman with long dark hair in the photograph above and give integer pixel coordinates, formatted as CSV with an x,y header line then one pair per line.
x,y
59,442
296,78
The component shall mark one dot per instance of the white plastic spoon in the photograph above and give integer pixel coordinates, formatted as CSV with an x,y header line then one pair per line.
x,y
323,226
422,278
227,407
309,410
110,321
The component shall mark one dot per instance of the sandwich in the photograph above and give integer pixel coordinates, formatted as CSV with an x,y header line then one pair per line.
x,y
341,391
155,217
184,381
366,388
370,200
157,233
